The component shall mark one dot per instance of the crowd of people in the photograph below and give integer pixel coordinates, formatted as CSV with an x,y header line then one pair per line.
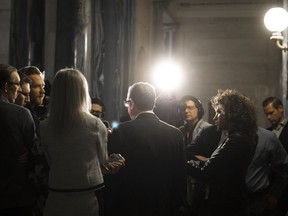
x,y
63,158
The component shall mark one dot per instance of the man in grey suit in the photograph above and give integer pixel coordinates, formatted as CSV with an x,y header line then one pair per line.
x,y
153,180
17,134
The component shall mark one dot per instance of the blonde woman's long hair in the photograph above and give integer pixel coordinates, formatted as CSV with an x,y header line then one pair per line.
x,y
69,101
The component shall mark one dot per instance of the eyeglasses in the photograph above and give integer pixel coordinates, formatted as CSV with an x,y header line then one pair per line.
x,y
96,113
23,93
14,83
190,107
126,103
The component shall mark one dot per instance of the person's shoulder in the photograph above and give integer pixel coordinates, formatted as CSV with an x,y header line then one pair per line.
x,y
8,105
240,141
18,113
209,130
204,123
268,138
264,135
265,132
93,120
210,127
238,137
16,108
169,127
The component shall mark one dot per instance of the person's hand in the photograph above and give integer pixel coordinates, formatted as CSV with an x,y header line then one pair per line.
x,y
23,159
194,163
113,164
201,158
191,162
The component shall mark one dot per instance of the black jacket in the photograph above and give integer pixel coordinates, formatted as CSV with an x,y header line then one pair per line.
x,y
153,180
225,174
17,135
204,143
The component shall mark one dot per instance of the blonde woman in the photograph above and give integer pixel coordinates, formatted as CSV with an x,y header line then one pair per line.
x,y
75,143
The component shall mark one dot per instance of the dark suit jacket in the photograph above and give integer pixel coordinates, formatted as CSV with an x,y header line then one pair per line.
x,y
204,143
225,173
17,135
283,136
153,180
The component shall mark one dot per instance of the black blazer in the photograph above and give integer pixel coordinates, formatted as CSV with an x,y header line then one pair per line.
x,y
153,180
17,135
204,143
225,173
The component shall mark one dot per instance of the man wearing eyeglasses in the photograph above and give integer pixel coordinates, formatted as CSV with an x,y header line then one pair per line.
x,y
23,96
98,110
17,135
192,112
153,179
10,83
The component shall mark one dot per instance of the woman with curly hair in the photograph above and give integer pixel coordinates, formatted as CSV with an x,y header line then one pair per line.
x,y
225,170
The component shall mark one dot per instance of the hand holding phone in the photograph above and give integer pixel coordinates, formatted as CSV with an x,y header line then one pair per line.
x,y
114,163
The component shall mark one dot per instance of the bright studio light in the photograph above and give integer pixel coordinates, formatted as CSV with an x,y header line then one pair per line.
x,y
167,75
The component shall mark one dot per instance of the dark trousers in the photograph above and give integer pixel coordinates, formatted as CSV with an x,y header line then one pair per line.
x,y
283,203
19,211
100,198
258,204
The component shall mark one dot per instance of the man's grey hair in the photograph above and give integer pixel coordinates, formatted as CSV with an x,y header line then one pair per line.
x,y
143,94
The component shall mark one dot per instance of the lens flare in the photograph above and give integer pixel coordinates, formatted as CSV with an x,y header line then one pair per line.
x,y
115,124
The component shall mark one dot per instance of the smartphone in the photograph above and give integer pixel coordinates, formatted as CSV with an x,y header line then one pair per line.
x,y
116,158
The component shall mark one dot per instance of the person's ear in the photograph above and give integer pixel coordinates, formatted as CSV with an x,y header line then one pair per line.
x,y
132,104
281,108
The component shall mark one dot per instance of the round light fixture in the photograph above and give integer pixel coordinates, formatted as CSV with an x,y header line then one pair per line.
x,y
276,19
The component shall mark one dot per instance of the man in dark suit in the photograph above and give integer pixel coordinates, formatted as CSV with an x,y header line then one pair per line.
x,y
274,111
17,135
153,180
